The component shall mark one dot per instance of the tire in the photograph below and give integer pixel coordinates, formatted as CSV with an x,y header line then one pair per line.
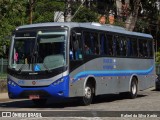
x,y
39,102
157,86
88,95
133,89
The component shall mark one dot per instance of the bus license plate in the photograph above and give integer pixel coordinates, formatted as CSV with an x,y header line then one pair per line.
x,y
34,97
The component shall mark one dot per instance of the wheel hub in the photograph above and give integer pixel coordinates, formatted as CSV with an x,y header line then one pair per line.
x,y
87,92
134,89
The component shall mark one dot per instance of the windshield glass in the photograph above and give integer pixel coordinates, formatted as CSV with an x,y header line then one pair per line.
x,y
44,52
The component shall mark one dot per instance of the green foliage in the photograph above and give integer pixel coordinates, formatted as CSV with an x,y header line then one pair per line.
x,y
142,25
14,13
158,57
44,10
85,15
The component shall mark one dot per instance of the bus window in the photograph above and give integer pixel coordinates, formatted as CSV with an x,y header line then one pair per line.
x,y
96,43
122,45
91,44
110,45
22,51
75,47
133,47
106,44
114,46
143,48
128,47
88,44
117,46
150,49
103,45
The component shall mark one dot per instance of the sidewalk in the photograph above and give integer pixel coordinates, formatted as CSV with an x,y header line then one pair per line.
x,y
3,96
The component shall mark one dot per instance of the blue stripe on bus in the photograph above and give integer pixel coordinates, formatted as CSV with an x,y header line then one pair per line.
x,y
112,73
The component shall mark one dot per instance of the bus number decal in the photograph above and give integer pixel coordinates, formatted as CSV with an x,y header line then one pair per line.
x,y
109,64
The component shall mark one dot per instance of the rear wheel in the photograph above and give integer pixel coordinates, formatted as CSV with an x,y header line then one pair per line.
x,y
157,85
88,95
39,102
133,88
157,88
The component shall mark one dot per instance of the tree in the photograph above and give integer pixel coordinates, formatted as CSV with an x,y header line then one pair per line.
x,y
123,8
12,14
89,15
44,10
138,15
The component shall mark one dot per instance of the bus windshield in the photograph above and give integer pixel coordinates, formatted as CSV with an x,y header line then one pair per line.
x,y
44,52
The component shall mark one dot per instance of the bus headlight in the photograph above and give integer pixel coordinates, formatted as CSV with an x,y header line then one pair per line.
x,y
11,83
58,81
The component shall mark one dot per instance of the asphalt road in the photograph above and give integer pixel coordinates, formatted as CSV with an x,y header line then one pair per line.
x,y
110,107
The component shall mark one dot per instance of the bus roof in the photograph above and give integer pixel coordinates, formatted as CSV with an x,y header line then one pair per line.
x,y
91,25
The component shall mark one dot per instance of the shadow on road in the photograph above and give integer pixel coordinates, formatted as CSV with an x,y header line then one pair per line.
x,y
155,90
112,98
62,103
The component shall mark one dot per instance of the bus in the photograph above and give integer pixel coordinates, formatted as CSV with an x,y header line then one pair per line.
x,y
78,60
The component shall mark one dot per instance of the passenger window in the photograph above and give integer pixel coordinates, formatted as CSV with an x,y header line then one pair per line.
x,y
96,43
88,44
91,44
150,49
123,46
120,46
103,45
106,44
110,45
75,47
117,46
133,47
143,48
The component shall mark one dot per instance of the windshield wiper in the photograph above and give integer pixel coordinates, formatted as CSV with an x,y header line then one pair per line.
x,y
45,66
20,70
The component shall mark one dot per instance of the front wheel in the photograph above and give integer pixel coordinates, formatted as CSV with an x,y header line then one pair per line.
x,y
88,95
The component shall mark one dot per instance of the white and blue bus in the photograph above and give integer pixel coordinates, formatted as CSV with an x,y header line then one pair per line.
x,y
65,60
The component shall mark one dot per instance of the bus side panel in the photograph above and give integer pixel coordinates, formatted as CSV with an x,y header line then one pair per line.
x,y
114,74
76,83
76,88
146,81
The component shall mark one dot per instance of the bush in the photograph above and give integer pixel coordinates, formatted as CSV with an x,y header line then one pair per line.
x,y
3,86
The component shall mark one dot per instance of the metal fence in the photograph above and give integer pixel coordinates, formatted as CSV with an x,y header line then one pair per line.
x,y
3,65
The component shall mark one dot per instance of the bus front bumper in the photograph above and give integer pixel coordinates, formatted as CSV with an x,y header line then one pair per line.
x,y
54,90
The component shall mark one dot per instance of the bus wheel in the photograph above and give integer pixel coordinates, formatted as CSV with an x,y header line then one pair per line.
x,y
88,95
39,102
133,88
